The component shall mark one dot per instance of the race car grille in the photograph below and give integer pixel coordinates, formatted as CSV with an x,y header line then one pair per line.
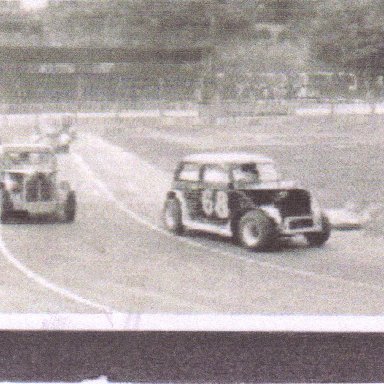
x,y
300,223
296,203
39,188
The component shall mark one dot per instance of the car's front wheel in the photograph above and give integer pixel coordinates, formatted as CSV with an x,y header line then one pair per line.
x,y
256,230
317,239
172,216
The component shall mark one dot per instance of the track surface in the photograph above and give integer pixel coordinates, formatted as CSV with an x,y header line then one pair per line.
x,y
116,257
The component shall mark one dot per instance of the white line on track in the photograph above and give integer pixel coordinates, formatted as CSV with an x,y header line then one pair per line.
x,y
42,281
145,222
47,284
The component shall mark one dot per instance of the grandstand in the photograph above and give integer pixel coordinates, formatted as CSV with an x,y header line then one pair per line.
x,y
89,78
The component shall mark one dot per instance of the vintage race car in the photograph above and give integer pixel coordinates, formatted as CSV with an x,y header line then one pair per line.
x,y
60,140
30,186
59,136
241,195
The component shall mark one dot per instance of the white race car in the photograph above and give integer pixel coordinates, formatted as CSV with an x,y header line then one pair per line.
x,y
30,185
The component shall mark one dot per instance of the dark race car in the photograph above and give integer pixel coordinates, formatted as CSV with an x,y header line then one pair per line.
x,y
241,195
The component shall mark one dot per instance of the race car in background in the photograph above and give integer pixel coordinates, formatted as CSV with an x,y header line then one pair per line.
x,y
29,184
241,195
57,134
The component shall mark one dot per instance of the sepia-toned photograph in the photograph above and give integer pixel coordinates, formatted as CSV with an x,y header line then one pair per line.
x,y
194,166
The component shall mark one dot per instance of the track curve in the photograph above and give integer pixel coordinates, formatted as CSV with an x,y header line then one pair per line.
x,y
117,257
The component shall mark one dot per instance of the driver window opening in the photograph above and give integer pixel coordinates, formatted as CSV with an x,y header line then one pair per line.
x,y
246,173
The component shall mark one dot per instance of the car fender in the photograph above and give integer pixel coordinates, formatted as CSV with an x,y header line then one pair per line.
x,y
273,213
62,191
316,211
178,194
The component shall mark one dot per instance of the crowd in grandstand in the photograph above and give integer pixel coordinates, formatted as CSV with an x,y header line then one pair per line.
x,y
314,85
242,87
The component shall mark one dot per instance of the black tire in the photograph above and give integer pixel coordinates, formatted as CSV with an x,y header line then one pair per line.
x,y
256,230
317,239
70,207
6,207
4,217
172,216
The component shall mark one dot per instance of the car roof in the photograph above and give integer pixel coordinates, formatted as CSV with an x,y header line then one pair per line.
x,y
26,148
227,157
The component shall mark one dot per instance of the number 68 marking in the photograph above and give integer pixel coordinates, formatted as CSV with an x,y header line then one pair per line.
x,y
215,203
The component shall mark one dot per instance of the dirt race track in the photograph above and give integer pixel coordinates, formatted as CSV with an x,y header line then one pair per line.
x,y
117,257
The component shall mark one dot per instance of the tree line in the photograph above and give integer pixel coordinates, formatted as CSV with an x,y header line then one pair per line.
x,y
344,35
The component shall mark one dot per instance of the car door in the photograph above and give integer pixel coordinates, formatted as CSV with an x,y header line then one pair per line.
x,y
214,194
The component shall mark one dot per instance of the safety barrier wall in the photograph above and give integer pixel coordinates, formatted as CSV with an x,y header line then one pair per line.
x,y
176,114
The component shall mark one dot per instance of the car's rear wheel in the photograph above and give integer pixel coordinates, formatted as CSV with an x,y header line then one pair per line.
x,y
317,239
172,216
70,207
256,230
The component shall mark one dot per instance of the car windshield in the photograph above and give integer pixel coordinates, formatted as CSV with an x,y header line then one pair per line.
x,y
255,173
22,159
